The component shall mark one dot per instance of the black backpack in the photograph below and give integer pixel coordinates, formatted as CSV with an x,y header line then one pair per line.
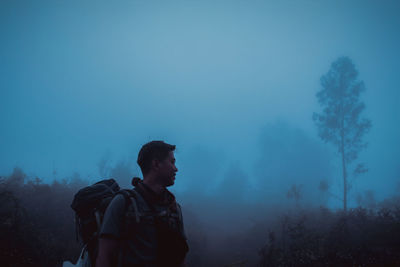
x,y
90,204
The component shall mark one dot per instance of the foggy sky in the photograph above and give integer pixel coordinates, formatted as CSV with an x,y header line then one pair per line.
x,y
220,79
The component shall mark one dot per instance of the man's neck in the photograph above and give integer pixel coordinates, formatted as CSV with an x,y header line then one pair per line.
x,y
155,187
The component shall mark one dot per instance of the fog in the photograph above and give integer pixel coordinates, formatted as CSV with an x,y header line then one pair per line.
x,y
231,83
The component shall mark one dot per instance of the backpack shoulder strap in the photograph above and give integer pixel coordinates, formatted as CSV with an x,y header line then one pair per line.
x,y
130,197
130,206
180,219
179,211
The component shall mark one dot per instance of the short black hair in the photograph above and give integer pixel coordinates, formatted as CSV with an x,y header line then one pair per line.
x,y
153,150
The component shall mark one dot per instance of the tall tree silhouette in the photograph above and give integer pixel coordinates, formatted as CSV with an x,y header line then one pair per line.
x,y
341,122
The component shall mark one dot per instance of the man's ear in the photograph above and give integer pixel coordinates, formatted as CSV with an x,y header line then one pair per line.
x,y
155,164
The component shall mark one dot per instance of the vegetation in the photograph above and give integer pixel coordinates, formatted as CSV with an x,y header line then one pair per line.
x,y
359,237
37,229
36,221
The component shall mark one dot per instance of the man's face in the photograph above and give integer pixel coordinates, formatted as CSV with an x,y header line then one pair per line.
x,y
167,170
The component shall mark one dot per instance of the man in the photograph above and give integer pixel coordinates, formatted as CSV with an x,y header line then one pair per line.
x,y
149,230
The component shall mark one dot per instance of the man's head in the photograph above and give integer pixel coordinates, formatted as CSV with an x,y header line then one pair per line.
x,y
156,158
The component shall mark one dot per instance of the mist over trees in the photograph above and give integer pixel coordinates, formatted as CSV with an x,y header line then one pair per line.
x,y
272,212
287,157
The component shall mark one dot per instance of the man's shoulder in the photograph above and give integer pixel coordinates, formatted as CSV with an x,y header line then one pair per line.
x,y
117,202
134,200
112,220
121,203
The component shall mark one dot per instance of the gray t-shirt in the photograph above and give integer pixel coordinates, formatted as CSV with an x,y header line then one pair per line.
x,y
113,218
138,240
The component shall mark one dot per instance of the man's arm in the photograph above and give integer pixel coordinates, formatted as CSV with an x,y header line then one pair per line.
x,y
108,253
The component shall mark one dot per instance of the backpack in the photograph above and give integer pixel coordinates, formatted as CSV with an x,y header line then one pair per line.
x,y
90,204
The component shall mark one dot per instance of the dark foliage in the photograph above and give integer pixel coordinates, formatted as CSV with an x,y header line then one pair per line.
x,y
36,221
37,229
359,237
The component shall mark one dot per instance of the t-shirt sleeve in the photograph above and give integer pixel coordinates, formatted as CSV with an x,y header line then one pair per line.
x,y
113,218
